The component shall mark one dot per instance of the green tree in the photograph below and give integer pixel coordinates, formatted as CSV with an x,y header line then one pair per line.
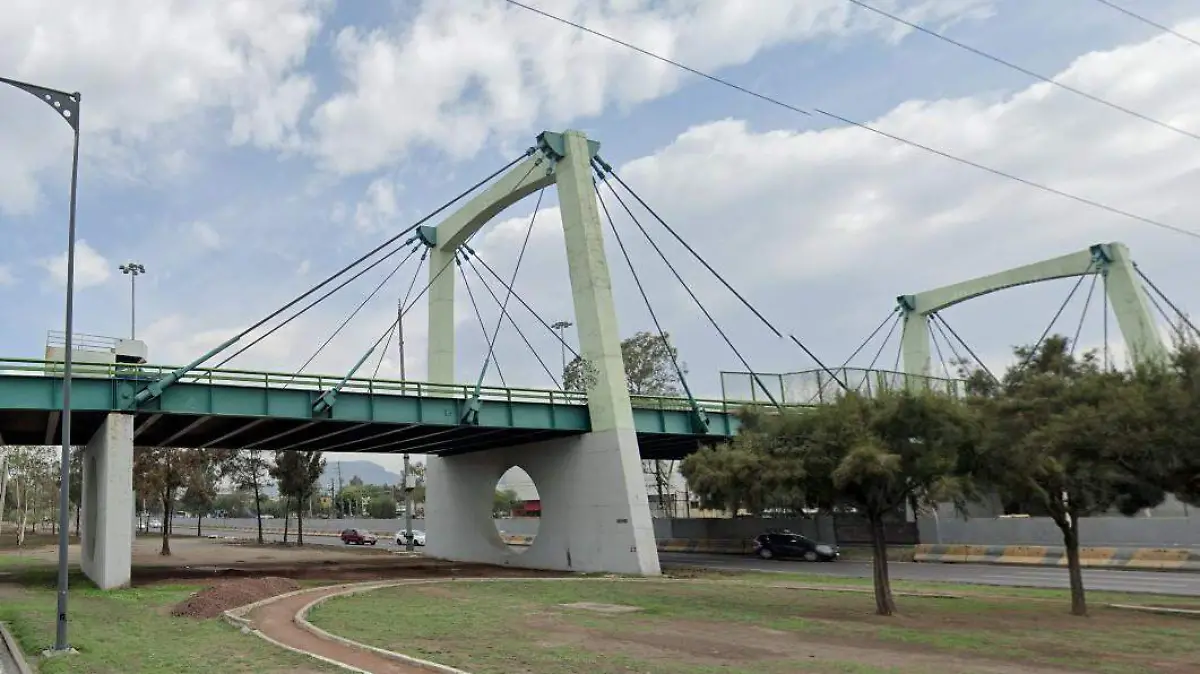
x,y
648,367
297,474
1159,419
738,475
159,474
250,469
201,486
504,501
875,454
1047,423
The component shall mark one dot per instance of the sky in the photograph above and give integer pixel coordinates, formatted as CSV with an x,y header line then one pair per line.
x,y
243,151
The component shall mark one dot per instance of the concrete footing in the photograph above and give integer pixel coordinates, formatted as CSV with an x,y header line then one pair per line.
x,y
595,516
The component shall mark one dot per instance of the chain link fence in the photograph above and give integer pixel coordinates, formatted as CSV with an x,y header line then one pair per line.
x,y
814,387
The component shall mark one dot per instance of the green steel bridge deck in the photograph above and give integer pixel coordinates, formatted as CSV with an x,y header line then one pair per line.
x,y
240,409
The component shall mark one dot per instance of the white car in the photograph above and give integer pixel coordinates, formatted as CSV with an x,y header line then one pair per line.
x,y
418,538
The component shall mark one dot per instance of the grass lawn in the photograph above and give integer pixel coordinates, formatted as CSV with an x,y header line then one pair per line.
x,y
133,632
753,624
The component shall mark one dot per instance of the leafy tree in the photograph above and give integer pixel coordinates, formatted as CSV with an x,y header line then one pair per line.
x,y
356,481
298,474
648,367
1047,423
875,454
1159,419
736,475
159,474
201,488
504,502
250,469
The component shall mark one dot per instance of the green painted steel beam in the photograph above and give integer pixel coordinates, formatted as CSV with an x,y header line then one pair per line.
x,y
429,405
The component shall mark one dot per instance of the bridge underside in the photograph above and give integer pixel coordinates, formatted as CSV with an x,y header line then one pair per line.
x,y
153,429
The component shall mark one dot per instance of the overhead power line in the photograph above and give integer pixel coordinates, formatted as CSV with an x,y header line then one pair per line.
x,y
1149,22
845,120
1023,70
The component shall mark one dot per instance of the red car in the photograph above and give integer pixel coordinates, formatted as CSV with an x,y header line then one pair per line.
x,y
358,537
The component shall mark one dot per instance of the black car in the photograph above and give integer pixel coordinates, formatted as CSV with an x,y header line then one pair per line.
x,y
789,545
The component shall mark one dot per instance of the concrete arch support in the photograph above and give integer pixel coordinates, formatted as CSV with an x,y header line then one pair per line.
x,y
1112,260
586,523
596,513
106,550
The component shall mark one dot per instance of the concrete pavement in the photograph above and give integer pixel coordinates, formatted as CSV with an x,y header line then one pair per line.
x,y
1153,582
1143,582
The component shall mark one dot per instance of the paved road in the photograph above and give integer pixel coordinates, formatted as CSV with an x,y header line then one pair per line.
x,y
1155,582
1151,582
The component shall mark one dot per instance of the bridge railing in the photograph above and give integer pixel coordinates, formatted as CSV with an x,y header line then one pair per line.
x,y
316,382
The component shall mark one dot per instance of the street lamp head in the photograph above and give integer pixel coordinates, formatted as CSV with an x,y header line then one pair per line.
x,y
132,268
562,325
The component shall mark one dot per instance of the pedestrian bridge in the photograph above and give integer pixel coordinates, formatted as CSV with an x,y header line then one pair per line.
x,y
242,409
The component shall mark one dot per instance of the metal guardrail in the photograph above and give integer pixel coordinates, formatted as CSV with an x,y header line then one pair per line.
x,y
81,341
311,382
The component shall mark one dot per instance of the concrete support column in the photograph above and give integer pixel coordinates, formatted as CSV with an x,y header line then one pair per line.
x,y
106,544
604,468
1132,308
914,348
587,523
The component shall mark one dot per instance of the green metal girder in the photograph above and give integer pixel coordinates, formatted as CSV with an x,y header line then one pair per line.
x,y
102,394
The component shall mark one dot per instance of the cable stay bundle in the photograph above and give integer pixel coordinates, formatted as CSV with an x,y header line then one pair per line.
x,y
155,389
603,172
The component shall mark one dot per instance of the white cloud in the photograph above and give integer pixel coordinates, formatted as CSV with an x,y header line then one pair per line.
x,y
303,269
6,276
91,268
823,229
377,207
145,67
205,236
461,72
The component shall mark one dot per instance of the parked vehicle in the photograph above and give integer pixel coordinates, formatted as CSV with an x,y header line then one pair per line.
x,y
418,537
786,544
358,537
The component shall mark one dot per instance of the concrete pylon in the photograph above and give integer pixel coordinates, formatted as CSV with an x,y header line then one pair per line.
x,y
595,512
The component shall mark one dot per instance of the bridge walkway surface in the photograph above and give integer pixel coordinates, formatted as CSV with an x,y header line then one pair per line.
x,y
243,409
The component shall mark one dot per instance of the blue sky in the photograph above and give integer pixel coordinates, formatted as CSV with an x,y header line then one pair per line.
x,y
243,155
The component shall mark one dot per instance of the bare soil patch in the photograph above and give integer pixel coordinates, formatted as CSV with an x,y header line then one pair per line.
x,y
214,600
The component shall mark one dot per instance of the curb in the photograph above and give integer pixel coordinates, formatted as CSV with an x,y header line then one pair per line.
x,y
301,619
236,618
15,654
1147,559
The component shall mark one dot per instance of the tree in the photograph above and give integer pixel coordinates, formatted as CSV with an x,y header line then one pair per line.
x,y
32,476
250,469
201,487
1047,422
736,476
875,454
356,481
1159,420
297,474
648,367
504,502
159,473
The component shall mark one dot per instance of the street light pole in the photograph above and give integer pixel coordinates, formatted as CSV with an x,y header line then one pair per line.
x,y
67,105
561,326
132,269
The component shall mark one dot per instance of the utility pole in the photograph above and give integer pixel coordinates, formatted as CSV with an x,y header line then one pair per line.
x,y
132,269
561,326
410,483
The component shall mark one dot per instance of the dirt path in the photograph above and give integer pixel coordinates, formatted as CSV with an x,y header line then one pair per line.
x,y
277,620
